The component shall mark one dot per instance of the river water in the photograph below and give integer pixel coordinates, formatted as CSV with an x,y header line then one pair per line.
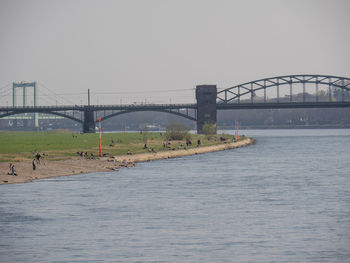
x,y
285,199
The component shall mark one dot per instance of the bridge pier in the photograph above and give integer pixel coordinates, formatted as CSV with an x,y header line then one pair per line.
x,y
89,122
206,105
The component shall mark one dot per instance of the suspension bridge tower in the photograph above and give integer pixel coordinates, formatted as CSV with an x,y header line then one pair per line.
x,y
25,86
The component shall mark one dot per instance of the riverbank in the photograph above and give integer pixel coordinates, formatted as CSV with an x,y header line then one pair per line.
x,y
80,165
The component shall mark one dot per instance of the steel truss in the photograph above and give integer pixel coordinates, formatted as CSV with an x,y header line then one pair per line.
x,y
235,93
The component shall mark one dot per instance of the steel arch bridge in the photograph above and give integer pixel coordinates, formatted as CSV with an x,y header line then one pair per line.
x,y
89,115
184,111
209,101
69,112
235,93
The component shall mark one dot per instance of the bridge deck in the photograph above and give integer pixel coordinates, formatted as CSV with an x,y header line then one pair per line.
x,y
219,106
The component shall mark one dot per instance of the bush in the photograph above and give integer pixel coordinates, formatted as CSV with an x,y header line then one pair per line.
x,y
177,131
209,129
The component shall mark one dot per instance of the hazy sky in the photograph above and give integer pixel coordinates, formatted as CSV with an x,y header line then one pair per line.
x,y
146,49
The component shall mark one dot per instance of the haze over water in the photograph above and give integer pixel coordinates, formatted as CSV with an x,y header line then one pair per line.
x,y
285,199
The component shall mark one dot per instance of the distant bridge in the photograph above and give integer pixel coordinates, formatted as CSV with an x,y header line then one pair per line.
x,y
250,88
209,100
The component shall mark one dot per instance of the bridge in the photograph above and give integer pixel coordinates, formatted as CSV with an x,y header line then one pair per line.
x,y
315,91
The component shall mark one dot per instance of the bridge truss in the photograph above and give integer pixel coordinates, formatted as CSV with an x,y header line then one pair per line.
x,y
250,89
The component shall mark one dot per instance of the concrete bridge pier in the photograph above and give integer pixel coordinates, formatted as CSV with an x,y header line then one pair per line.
x,y
206,105
89,122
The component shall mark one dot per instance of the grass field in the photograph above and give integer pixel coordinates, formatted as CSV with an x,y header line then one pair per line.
x,y
18,146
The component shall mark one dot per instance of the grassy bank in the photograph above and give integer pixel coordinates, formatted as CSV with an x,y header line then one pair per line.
x,y
19,146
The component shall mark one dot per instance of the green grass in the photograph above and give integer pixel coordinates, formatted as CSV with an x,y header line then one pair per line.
x,y
16,146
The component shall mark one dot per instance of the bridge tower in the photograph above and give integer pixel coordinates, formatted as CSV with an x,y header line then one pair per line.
x,y
24,86
89,122
206,105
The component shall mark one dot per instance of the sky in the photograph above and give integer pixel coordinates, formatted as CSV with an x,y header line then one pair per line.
x,y
157,51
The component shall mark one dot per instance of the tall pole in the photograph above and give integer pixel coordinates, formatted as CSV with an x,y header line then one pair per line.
x,y
234,131
99,140
88,97
236,128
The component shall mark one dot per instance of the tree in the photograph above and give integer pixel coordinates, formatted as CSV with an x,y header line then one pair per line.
x,y
209,129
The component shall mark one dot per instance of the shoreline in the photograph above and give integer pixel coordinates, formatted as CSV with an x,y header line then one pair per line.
x,y
74,166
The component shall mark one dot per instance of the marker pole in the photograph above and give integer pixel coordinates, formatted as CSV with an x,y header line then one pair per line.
x,y
99,140
234,130
237,136
235,127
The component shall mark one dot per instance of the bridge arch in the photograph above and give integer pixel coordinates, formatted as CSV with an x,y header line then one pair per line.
x,y
136,110
235,92
50,112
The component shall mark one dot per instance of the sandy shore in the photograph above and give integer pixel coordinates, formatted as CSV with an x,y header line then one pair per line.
x,y
81,165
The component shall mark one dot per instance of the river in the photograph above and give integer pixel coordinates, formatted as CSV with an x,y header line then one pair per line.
x,y
284,199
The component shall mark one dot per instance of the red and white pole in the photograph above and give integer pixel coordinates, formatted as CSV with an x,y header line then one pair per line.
x,y
99,140
234,130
